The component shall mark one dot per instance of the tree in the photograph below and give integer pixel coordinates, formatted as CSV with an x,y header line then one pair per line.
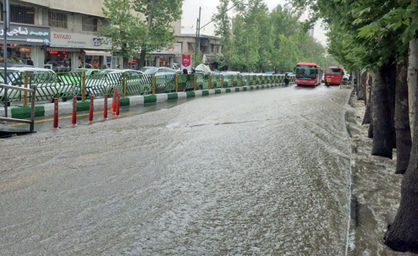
x,y
402,234
402,129
140,25
223,30
413,67
124,31
256,40
159,18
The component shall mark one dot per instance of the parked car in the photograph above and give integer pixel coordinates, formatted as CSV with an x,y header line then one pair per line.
x,y
204,69
164,77
49,84
89,71
157,70
129,72
108,79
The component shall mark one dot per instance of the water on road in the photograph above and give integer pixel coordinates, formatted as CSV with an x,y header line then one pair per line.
x,y
252,173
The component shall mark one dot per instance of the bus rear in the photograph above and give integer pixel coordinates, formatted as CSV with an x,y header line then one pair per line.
x,y
333,75
308,74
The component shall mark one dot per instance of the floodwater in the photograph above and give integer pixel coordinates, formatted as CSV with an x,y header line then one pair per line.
x,y
252,173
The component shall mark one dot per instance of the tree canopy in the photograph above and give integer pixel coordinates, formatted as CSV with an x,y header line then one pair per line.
x,y
255,39
140,26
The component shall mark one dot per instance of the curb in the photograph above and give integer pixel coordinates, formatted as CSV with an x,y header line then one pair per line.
x,y
66,108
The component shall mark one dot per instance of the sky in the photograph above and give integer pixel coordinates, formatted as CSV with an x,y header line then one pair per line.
x,y
191,13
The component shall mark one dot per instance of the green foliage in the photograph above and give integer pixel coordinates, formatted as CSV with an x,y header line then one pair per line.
x,y
223,30
159,18
264,41
366,33
135,25
125,31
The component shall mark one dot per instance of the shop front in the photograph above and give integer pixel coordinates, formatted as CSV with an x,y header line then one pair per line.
x,y
70,51
165,57
25,44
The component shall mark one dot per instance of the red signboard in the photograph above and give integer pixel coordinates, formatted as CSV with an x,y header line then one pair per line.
x,y
186,62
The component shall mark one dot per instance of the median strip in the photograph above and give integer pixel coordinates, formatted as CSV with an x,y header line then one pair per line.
x,y
47,110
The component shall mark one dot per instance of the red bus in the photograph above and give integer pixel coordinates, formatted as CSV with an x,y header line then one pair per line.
x,y
333,75
308,74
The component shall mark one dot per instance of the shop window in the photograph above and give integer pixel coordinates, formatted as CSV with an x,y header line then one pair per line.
x,y
190,46
17,54
89,24
59,61
94,62
57,19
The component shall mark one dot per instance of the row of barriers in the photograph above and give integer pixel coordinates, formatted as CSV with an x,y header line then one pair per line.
x,y
51,85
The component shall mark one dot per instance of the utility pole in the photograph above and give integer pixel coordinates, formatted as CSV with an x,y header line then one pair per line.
x,y
6,27
197,35
198,28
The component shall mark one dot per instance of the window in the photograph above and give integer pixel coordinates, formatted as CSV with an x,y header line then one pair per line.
x,y
89,24
190,46
57,19
21,14
333,71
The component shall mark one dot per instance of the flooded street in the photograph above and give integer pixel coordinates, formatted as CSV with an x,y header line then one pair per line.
x,y
265,172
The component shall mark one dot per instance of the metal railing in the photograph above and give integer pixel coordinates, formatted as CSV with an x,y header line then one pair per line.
x,y
66,85
33,98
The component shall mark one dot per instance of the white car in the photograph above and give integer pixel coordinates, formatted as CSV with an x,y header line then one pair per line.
x,y
49,85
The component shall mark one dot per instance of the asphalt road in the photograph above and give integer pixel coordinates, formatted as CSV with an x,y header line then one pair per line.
x,y
260,172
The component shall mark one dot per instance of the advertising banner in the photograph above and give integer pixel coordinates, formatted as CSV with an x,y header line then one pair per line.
x,y
186,62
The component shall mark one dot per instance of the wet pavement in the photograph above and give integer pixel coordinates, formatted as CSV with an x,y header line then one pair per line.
x,y
252,173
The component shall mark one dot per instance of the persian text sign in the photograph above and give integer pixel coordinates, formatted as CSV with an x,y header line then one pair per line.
x,y
29,34
75,40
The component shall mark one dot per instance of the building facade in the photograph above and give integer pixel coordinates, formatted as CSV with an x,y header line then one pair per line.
x,y
210,48
186,44
60,34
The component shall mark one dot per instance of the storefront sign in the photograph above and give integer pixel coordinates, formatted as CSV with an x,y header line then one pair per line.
x,y
175,49
26,34
75,40
186,62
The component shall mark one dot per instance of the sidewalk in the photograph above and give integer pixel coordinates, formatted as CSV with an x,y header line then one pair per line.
x,y
375,189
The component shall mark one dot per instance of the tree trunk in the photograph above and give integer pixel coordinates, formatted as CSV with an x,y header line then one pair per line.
x,y
402,235
367,115
142,59
402,130
413,78
370,131
367,119
360,86
383,139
